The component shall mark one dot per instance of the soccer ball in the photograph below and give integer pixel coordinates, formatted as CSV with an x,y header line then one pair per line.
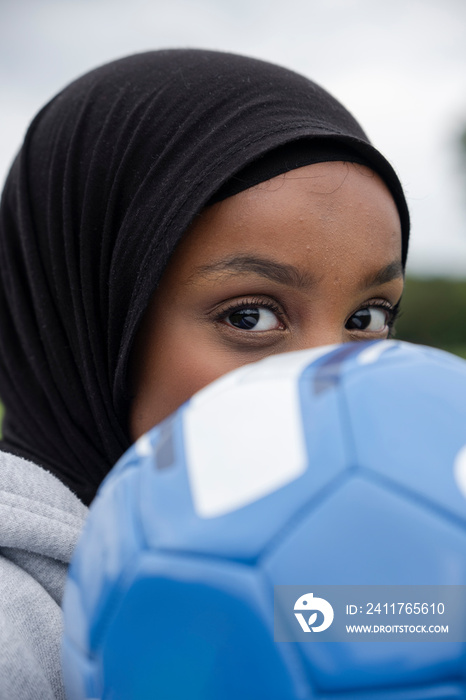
x,y
332,470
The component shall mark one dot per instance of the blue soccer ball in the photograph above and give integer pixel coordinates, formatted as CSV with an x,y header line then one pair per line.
x,y
317,480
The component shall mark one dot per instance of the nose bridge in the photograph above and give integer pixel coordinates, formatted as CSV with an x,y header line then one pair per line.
x,y
322,336
318,336
322,326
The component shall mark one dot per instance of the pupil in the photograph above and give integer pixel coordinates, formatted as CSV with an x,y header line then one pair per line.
x,y
244,318
360,320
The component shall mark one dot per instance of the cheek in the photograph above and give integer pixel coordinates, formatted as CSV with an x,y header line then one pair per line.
x,y
188,371
171,373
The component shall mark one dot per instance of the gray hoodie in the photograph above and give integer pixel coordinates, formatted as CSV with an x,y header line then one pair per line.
x,y
40,521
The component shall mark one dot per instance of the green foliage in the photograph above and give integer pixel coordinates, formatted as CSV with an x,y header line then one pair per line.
x,y
433,312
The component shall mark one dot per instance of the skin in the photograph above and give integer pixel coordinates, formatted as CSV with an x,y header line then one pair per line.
x,y
301,255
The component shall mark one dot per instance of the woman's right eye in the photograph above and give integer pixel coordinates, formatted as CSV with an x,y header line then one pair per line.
x,y
253,318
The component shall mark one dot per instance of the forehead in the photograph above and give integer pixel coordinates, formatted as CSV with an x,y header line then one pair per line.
x,y
331,213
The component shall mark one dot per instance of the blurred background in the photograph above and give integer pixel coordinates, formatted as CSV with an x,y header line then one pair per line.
x,y
398,65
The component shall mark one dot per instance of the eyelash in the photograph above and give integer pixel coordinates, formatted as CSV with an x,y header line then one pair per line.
x,y
247,304
393,312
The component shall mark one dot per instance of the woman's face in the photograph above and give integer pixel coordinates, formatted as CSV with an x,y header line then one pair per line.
x,y
309,258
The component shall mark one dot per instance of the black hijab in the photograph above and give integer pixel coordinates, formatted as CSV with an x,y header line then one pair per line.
x,y
110,175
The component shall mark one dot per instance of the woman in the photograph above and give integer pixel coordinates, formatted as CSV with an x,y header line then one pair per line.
x,y
170,216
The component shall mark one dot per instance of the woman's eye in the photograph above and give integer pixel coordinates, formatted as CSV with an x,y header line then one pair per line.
x,y
369,319
253,319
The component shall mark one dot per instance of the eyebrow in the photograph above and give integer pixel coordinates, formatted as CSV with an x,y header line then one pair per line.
x,y
390,272
289,275
276,272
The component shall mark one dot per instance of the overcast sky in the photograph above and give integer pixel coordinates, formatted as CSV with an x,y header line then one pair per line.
x,y
398,65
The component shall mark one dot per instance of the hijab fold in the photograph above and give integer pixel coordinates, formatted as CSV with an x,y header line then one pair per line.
x,y
111,173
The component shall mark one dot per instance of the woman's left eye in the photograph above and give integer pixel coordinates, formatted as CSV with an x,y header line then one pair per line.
x,y
254,318
373,319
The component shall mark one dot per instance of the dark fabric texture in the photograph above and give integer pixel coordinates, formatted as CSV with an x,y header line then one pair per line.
x,y
285,158
110,175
